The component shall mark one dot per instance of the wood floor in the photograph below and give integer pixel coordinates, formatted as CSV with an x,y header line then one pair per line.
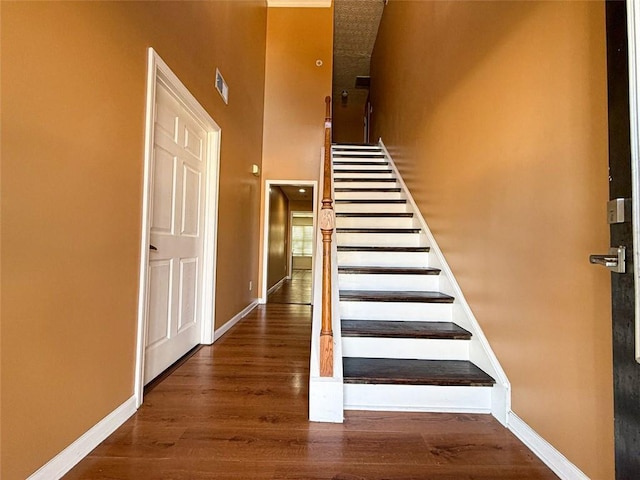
x,y
238,410
297,289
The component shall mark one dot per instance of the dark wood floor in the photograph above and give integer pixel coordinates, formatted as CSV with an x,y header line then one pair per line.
x,y
238,410
297,289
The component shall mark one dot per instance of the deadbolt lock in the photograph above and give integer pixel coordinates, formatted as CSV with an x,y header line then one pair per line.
x,y
614,260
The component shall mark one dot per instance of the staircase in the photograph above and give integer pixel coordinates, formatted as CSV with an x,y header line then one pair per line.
x,y
401,348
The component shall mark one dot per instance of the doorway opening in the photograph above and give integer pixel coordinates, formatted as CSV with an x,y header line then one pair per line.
x,y
289,242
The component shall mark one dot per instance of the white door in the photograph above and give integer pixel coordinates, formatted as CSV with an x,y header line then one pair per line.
x,y
175,273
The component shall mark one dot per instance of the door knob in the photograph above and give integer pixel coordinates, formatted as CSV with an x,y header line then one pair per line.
x,y
152,247
614,260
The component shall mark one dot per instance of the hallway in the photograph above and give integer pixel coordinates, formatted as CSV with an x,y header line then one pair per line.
x,y
238,410
297,289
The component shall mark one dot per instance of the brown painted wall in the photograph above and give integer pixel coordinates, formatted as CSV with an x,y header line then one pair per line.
x,y
496,115
278,236
348,122
295,89
73,84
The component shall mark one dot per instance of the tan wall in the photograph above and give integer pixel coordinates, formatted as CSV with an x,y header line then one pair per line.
x,y
301,206
278,236
73,84
348,122
295,89
496,115
301,263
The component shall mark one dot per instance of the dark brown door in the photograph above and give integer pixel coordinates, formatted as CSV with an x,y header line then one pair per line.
x,y
626,371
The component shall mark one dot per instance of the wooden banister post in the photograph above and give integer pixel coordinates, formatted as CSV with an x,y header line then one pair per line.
x,y
327,224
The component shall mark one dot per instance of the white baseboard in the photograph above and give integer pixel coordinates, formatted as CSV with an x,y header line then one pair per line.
x,y
546,452
70,456
225,328
277,285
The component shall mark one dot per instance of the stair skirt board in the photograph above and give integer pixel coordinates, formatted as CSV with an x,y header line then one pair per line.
x,y
409,348
417,398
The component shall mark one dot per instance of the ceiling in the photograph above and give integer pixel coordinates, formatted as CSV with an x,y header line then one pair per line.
x,y
294,195
356,25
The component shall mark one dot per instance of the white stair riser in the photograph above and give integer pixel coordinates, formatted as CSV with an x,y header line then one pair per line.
x,y
384,259
381,239
361,164
402,283
368,195
417,398
371,207
375,222
396,311
339,174
358,152
412,348
356,148
365,184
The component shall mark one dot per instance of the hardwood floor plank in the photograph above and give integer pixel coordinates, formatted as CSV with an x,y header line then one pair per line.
x,y
238,410
411,472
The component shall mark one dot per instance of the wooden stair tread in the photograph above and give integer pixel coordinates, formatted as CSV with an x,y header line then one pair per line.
x,y
356,248
373,201
394,296
364,153
389,270
414,372
374,214
378,230
389,180
403,329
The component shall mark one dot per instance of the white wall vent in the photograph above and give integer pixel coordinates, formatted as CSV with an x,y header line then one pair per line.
x,y
222,87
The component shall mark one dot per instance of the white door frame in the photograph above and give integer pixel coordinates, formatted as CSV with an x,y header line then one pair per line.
x,y
633,32
158,70
265,244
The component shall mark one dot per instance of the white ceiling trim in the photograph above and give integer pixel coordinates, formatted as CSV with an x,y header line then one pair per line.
x,y
299,3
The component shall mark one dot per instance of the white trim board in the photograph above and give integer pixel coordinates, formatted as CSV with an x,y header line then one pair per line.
x,y
235,319
633,31
277,285
70,456
546,452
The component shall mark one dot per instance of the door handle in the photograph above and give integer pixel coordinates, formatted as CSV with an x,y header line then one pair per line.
x,y
152,247
614,260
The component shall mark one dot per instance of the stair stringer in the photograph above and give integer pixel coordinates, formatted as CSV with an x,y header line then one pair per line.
x,y
480,352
